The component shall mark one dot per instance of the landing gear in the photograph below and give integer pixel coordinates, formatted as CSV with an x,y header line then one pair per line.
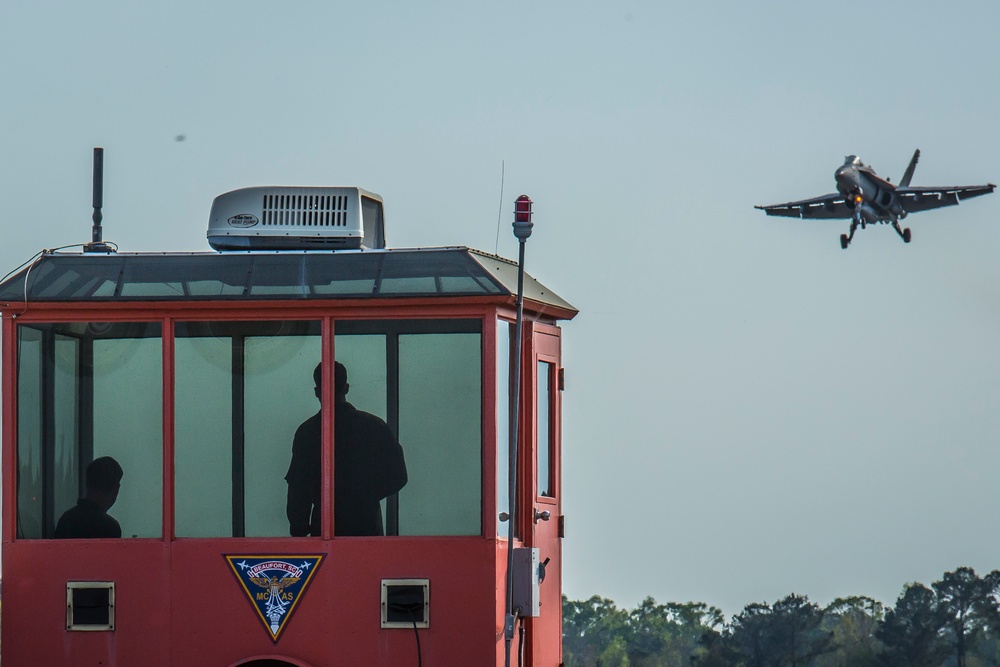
x,y
858,220
903,233
845,239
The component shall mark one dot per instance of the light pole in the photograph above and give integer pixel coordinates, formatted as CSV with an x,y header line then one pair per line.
x,y
522,230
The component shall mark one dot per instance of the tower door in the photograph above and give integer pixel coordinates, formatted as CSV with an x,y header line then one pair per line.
x,y
544,501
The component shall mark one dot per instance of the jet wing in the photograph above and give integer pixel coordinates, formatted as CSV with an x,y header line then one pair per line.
x,y
924,199
827,206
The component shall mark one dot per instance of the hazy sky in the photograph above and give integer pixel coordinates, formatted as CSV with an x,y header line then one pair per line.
x,y
750,411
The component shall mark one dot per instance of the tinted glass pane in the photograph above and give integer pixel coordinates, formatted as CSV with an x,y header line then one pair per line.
x,y
278,376
29,433
504,379
128,425
179,276
242,388
543,434
343,274
440,429
69,278
88,390
67,481
364,357
203,435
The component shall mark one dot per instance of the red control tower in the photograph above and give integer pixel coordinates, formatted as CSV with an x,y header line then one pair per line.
x,y
195,371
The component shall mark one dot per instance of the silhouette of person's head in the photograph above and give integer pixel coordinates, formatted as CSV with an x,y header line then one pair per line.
x,y
340,385
104,481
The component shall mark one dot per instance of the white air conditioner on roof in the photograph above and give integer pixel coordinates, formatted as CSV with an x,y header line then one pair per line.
x,y
296,218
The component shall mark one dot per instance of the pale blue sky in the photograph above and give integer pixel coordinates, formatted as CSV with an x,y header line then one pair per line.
x,y
750,411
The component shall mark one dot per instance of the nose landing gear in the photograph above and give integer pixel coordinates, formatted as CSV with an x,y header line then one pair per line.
x,y
845,239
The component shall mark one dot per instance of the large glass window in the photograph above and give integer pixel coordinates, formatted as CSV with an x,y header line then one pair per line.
x,y
88,390
424,378
241,390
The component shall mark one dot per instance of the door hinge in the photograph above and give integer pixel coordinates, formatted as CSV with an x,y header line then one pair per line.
x,y
562,379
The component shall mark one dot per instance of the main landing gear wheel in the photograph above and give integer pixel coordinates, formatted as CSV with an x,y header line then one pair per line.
x,y
903,233
844,241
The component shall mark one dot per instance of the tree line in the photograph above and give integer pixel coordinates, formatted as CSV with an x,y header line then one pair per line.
x,y
953,623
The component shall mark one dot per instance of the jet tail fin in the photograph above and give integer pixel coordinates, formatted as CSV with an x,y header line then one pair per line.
x,y
905,181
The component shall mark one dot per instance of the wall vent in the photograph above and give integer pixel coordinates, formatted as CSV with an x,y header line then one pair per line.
x,y
90,606
406,603
304,210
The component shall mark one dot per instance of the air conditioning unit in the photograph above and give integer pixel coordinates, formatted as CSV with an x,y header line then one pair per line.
x,y
296,218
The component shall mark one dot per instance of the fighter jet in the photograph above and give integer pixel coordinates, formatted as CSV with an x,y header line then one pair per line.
x,y
866,199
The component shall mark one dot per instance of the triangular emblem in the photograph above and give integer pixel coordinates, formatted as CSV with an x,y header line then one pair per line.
x,y
274,585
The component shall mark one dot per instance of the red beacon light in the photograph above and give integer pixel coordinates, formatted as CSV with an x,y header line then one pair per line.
x,y
522,217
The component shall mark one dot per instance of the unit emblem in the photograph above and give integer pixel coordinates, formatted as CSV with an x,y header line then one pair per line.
x,y
274,585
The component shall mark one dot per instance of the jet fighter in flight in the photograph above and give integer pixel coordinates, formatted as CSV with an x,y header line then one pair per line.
x,y
866,199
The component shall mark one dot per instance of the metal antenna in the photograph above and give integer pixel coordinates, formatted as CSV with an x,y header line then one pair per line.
x,y
522,230
97,243
496,247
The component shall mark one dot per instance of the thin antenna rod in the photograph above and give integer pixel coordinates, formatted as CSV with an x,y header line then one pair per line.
x,y
97,243
496,247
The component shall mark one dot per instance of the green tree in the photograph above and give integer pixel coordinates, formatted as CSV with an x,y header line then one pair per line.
x,y
596,632
967,607
853,622
789,633
692,620
650,632
718,650
615,655
748,636
589,629
798,633
910,631
667,635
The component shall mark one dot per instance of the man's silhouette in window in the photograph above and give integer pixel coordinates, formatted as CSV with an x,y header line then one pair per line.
x,y
90,517
368,466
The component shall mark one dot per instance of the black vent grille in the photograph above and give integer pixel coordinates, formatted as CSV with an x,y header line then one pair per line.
x,y
290,210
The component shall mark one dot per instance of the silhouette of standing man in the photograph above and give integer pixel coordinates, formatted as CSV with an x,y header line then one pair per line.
x,y
90,517
367,462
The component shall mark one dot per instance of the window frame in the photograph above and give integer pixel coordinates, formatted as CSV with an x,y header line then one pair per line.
x,y
51,330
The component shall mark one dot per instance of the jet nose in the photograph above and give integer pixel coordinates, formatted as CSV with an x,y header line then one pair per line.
x,y
845,179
